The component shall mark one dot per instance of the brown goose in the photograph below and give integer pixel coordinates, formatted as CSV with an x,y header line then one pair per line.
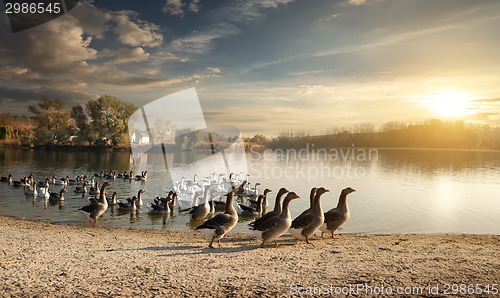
x,y
139,202
57,196
244,210
336,217
201,211
273,228
7,179
94,210
220,224
306,224
275,212
311,201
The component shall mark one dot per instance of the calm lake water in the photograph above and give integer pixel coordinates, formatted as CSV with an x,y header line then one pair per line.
x,y
397,191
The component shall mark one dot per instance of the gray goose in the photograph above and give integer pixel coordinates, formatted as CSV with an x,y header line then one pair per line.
x,y
265,204
222,223
201,211
306,224
94,210
112,201
311,201
130,205
57,196
336,217
7,179
273,228
275,212
139,203
244,210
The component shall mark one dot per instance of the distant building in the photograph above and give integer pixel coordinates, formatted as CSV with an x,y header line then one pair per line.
x,y
140,137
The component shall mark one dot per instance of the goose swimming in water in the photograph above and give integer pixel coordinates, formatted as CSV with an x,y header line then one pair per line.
x,y
31,190
265,204
129,205
81,189
244,210
57,196
7,179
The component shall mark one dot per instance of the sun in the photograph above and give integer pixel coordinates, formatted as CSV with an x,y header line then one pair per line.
x,y
449,104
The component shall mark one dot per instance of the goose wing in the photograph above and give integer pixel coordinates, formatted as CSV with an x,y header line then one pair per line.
x,y
215,222
302,221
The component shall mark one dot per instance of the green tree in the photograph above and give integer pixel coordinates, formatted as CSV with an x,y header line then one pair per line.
x,y
109,119
52,125
4,133
81,123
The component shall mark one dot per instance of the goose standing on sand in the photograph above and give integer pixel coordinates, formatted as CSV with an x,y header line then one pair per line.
x,y
57,197
273,228
201,211
275,212
93,211
244,210
304,226
336,217
220,224
31,190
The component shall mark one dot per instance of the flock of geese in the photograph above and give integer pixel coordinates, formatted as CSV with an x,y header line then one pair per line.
x,y
202,199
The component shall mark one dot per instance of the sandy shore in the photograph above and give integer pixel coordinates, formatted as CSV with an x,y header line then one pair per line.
x,y
49,260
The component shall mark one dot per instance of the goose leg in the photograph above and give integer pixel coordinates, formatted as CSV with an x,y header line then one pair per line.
x,y
276,244
262,244
333,236
307,241
297,240
211,243
323,235
220,245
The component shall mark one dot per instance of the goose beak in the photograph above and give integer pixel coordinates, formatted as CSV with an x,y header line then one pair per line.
x,y
327,190
353,189
297,196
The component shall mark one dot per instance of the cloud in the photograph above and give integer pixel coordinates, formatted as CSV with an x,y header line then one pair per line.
x,y
195,6
136,32
204,41
174,7
125,55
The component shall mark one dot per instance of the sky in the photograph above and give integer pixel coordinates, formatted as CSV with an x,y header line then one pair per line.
x,y
267,66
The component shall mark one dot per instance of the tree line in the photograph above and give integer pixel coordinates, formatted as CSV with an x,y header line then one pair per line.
x,y
432,133
100,122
